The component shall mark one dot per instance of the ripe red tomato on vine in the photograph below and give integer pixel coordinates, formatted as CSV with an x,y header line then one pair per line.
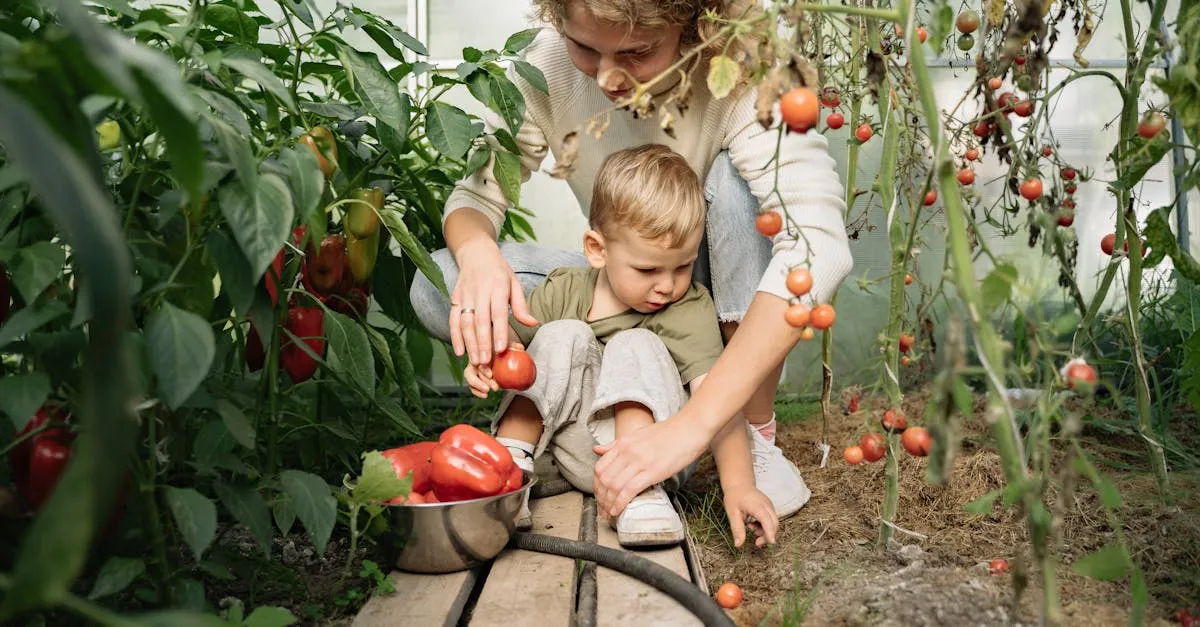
x,y
863,132
1031,189
769,223
800,109
835,120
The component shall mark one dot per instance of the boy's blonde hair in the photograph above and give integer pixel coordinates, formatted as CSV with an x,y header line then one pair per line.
x,y
650,189
654,14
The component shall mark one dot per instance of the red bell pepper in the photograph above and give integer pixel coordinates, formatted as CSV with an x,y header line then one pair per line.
x,y
413,459
515,480
256,352
308,324
323,269
38,462
468,464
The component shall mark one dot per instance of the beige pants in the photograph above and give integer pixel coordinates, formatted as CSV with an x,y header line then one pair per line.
x,y
578,384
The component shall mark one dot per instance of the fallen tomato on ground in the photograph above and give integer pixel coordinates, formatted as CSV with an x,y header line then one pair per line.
x,y
729,595
998,566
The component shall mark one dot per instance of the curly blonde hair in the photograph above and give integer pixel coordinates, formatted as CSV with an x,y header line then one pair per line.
x,y
653,14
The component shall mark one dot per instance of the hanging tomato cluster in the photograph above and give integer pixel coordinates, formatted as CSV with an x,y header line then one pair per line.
x,y
336,271
464,463
872,447
799,315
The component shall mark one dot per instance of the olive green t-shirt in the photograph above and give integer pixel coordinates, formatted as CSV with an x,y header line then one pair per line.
x,y
688,327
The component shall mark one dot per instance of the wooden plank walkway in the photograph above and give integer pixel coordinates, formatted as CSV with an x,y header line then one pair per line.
x,y
524,588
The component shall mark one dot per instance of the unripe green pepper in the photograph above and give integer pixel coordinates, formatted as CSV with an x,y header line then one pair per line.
x,y
362,252
362,217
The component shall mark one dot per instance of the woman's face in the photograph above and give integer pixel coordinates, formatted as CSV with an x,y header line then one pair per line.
x,y
612,53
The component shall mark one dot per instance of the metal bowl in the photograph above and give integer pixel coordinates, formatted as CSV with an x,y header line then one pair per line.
x,y
449,537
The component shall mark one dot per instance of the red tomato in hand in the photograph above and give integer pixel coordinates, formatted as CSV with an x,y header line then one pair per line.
x,y
917,441
822,316
873,447
797,315
514,369
729,595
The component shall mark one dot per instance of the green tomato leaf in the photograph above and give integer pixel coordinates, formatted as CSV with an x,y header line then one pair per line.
x,y
414,249
21,395
350,351
305,179
723,75
248,508
314,505
260,222
35,268
1105,564
232,21
508,102
378,481
479,158
116,575
180,347
1163,242
997,286
237,423
195,517
237,148
31,319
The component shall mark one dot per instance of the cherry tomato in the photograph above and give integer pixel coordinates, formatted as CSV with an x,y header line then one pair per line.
x,y
863,132
998,566
797,315
893,421
967,22
1006,101
908,279
769,223
514,369
930,197
1151,125
1031,189
1107,243
917,441
971,154
995,83
1047,151
835,120
853,455
1070,188
1023,108
983,129
1066,218
799,281
873,447
1069,203
1019,60
729,595
1080,373
922,34
807,334
966,42
829,97
904,360
800,109
966,176
823,316
1068,174
906,342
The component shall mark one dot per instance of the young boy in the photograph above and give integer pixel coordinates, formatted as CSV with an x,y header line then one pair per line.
x,y
618,341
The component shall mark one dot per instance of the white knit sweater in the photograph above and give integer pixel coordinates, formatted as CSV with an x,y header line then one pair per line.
x,y
811,191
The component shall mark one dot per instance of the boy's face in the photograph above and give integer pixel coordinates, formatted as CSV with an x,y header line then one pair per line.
x,y
643,274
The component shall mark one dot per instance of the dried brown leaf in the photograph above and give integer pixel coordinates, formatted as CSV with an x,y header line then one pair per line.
x,y
565,162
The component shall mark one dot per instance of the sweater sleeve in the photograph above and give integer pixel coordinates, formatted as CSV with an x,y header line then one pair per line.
x,y
812,198
481,191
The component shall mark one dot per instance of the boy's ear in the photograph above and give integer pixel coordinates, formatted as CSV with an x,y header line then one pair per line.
x,y
594,248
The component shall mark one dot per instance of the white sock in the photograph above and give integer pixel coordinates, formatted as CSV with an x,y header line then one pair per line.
x,y
521,451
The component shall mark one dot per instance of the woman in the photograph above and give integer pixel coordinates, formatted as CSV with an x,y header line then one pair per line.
x,y
590,58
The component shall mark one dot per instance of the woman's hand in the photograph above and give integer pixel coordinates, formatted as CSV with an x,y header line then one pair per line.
x,y
480,302
651,455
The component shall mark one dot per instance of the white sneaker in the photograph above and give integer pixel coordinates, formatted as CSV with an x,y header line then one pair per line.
x,y
524,517
777,477
649,520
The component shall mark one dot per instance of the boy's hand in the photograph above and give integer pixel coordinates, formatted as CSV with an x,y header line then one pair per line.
x,y
479,379
749,502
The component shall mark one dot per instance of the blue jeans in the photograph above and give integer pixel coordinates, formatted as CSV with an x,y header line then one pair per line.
x,y
733,256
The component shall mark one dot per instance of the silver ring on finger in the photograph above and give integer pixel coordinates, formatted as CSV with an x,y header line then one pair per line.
x,y
466,310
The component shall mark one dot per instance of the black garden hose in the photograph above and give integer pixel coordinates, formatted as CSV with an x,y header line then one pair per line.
x,y
640,568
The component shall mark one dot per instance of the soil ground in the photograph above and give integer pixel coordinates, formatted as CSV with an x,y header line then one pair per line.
x,y
827,568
